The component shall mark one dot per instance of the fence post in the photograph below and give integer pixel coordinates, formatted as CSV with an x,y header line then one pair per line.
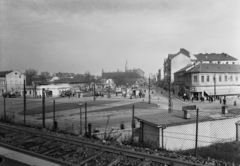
x,y
80,130
196,141
43,108
133,124
86,127
4,108
54,123
89,130
24,102
237,130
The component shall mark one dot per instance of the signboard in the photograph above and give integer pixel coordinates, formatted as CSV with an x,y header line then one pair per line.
x,y
189,107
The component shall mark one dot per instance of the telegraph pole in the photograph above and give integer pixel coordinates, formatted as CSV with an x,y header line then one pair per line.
x,y
43,108
94,98
24,101
169,87
149,100
214,80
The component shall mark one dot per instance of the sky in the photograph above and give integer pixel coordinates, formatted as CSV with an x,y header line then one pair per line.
x,y
94,35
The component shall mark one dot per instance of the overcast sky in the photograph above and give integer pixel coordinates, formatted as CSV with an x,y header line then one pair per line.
x,y
91,35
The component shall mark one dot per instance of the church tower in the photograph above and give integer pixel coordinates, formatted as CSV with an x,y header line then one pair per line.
x,y
126,67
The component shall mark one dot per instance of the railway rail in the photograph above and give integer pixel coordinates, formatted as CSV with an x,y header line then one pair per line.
x,y
71,151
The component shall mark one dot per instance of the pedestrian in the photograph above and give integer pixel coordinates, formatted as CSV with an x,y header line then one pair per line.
x,y
192,99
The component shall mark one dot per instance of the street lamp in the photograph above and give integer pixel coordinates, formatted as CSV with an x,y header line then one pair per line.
x,y
149,100
80,131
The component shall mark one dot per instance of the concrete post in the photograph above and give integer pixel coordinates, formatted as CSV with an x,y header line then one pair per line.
x,y
237,130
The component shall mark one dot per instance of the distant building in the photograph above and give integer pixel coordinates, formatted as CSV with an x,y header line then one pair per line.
x,y
175,62
204,79
130,77
11,81
183,58
160,77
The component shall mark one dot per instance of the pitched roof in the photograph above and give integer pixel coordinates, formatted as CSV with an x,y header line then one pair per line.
x,y
215,68
182,51
3,73
184,69
214,57
71,80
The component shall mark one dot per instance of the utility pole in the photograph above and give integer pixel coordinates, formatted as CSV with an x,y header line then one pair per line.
x,y
86,127
24,101
169,87
214,80
43,108
149,100
94,97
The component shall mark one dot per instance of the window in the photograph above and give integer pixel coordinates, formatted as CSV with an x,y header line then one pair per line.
x,y
231,78
195,78
202,78
225,78
236,78
220,78
207,78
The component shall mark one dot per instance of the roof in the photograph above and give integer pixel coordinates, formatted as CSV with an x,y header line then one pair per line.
x,y
4,73
214,57
214,68
71,80
184,69
165,119
182,51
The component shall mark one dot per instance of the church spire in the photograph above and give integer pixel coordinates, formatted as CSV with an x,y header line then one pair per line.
x,y
126,67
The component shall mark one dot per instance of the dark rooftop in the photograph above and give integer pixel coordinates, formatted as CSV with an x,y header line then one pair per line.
x,y
215,68
3,73
214,57
182,50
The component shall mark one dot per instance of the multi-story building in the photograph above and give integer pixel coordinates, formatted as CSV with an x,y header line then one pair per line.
x,y
183,58
11,81
160,77
175,62
206,79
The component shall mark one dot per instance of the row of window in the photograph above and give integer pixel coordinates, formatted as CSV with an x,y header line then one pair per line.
x,y
195,78
2,82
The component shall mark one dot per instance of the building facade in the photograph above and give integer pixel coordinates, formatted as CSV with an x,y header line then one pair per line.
x,y
206,79
11,81
175,62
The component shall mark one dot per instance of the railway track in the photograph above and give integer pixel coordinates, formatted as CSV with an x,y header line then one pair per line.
x,y
71,151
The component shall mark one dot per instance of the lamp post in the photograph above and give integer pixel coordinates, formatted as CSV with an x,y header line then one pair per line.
x,y
80,130
149,96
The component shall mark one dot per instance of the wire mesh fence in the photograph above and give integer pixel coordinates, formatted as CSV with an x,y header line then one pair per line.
x,y
175,133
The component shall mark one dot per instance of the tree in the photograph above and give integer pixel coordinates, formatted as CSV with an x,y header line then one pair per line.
x,y
30,74
44,76
120,79
87,75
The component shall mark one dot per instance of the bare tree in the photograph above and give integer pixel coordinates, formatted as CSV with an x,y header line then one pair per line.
x,y
44,76
30,74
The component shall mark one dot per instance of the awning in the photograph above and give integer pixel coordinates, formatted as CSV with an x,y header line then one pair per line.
x,y
221,92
